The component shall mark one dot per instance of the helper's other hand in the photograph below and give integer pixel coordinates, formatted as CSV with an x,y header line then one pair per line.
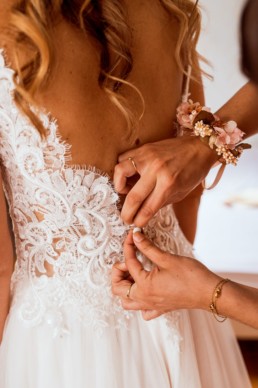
x,y
169,170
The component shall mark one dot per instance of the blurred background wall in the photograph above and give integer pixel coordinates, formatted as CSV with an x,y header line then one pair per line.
x,y
227,237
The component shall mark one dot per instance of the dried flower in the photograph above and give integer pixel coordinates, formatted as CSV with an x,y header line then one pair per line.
x,y
221,136
187,111
203,130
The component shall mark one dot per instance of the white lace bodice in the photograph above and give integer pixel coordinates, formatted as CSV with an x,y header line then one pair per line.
x,y
67,227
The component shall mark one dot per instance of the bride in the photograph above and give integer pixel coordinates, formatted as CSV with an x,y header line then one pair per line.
x,y
80,83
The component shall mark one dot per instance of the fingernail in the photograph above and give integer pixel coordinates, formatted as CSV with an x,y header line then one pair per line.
x,y
137,229
137,236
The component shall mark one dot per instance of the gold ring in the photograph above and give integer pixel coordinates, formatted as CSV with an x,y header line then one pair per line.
x,y
129,290
133,163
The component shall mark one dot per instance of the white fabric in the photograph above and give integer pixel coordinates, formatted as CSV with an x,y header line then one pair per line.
x,y
65,329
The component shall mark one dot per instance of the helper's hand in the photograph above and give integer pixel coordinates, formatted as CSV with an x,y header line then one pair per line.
x,y
169,170
121,284
176,282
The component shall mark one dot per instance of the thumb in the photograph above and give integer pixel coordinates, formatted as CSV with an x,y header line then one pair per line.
x,y
145,246
135,268
151,314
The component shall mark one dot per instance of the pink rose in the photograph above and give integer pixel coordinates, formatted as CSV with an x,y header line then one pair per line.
x,y
183,115
234,133
229,135
223,138
187,111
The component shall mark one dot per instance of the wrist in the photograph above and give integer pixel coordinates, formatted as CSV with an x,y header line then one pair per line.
x,y
225,301
209,155
238,298
222,137
205,156
201,282
207,289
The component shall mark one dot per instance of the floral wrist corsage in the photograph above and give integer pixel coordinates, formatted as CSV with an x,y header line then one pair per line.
x,y
223,137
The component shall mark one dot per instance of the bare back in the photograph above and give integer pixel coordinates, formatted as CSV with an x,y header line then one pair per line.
x,y
97,132
87,119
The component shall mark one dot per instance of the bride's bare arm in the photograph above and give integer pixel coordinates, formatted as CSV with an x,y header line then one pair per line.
x,y
6,260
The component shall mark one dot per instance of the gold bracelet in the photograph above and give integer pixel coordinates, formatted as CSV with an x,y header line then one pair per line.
x,y
216,294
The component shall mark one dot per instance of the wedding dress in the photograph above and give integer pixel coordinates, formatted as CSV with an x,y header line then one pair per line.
x,y
65,329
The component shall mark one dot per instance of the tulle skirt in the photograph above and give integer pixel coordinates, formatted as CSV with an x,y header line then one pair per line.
x,y
200,352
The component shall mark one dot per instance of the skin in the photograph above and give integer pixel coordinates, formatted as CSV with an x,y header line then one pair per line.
x,y
171,169
164,288
7,260
175,272
74,98
148,293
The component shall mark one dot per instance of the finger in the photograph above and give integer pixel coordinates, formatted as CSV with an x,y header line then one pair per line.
x,y
120,279
135,268
120,288
156,255
121,266
136,196
165,192
128,154
123,171
153,203
151,314
133,305
157,199
119,272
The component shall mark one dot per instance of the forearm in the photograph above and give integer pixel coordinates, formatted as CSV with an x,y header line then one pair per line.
x,y
242,108
239,302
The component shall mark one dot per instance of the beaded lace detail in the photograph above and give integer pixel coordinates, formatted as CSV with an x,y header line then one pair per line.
x,y
67,227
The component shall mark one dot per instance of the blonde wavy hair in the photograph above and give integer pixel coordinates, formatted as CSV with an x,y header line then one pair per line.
x,y
30,27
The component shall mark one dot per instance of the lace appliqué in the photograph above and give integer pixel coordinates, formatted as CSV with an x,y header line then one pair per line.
x,y
68,230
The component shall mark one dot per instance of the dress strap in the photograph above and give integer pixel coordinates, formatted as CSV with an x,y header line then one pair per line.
x,y
187,84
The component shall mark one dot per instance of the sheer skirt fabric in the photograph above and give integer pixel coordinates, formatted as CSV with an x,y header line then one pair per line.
x,y
200,353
